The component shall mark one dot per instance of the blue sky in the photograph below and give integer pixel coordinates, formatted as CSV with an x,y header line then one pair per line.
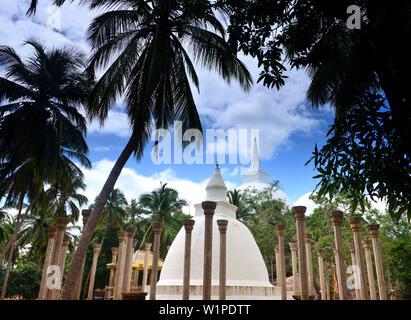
x,y
289,128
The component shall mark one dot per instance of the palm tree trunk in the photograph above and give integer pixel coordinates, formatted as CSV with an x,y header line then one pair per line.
x,y
79,255
86,284
9,244
19,224
89,273
6,276
13,242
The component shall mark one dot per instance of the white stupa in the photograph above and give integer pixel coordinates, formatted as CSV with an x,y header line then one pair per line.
x,y
247,276
255,178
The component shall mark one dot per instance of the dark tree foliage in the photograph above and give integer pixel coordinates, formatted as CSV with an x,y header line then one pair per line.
x,y
344,65
362,156
24,281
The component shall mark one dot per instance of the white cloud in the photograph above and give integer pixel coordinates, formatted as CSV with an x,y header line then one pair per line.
x,y
117,123
277,114
134,184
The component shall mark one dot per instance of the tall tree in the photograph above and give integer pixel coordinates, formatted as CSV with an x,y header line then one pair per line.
x,y
344,65
114,213
41,129
145,41
161,205
236,198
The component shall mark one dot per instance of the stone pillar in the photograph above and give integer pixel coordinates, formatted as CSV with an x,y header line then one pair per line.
x,y
128,268
147,247
188,226
355,223
299,213
370,269
77,290
114,253
120,265
356,273
280,228
96,253
277,264
337,267
158,228
373,228
321,274
222,227
57,248
308,238
209,208
293,248
136,274
47,261
63,254
336,219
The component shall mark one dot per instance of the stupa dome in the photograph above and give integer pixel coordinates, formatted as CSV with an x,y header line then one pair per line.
x,y
247,276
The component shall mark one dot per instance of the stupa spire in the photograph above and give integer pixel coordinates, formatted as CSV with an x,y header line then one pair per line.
x,y
216,188
255,160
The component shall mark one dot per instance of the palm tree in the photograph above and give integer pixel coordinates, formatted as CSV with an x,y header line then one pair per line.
x,y
161,205
113,216
147,39
134,212
236,198
65,199
41,130
114,213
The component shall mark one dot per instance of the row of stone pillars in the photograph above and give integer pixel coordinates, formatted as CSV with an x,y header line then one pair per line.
x,y
303,284
209,209
123,277
54,261
124,254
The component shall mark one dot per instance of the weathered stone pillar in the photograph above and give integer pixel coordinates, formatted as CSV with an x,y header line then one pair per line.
x,y
337,267
63,255
128,267
147,247
77,289
280,228
355,223
209,208
277,264
188,226
308,238
321,274
370,269
120,265
373,228
293,248
57,248
96,253
299,213
158,228
114,253
356,273
47,261
222,227
135,272
336,219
